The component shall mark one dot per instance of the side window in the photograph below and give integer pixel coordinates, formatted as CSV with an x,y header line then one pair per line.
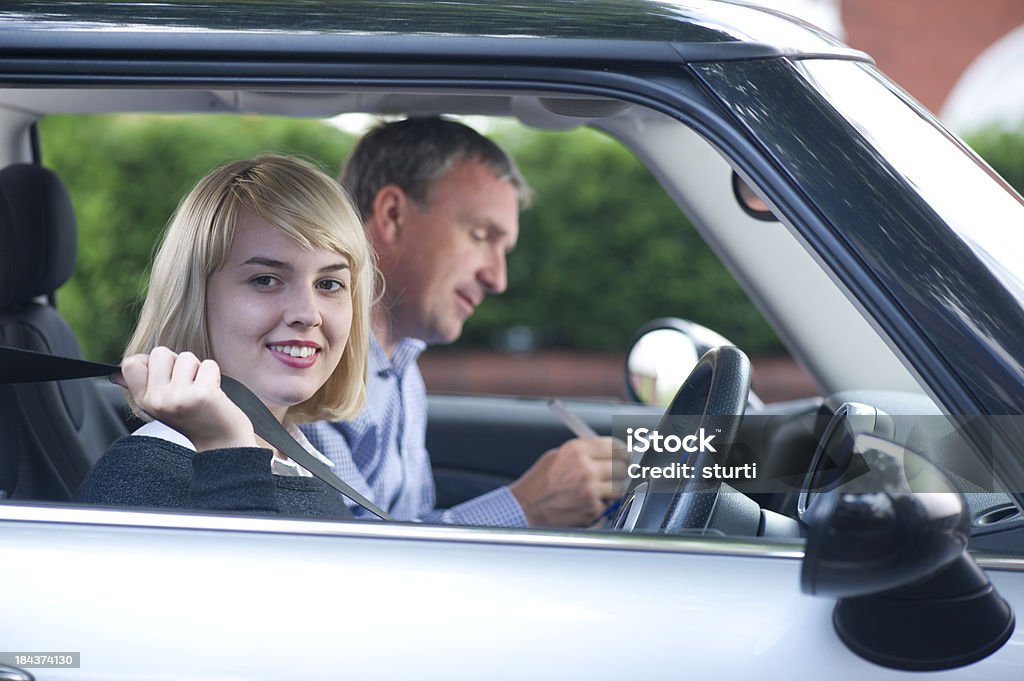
x,y
599,254
603,250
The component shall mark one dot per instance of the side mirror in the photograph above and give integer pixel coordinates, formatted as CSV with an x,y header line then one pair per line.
x,y
663,353
892,546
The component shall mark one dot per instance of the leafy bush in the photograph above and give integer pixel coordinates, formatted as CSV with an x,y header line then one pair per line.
x,y
1003,149
587,289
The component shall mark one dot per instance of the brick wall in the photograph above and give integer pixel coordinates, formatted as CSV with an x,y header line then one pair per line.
x,y
570,374
925,45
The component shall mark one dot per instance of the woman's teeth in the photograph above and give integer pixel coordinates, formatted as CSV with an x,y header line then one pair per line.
x,y
294,350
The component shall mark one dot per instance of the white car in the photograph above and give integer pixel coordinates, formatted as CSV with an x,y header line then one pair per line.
x,y
888,258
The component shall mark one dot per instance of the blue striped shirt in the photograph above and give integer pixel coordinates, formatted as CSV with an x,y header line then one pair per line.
x,y
382,453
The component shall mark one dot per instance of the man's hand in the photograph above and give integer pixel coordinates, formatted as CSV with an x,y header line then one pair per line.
x,y
572,485
185,393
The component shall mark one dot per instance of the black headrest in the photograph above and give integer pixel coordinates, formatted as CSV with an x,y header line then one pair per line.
x,y
38,233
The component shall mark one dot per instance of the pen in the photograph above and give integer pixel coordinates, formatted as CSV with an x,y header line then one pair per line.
x,y
571,421
579,428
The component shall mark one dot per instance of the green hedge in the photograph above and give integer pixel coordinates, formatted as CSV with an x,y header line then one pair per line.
x,y
1003,149
602,250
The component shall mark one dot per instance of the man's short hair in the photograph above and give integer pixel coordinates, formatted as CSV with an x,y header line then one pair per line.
x,y
414,154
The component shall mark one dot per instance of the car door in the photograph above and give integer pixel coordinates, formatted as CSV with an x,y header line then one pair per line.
x,y
156,596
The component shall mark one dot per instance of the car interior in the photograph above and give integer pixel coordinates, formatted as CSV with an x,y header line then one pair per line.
x,y
52,433
63,426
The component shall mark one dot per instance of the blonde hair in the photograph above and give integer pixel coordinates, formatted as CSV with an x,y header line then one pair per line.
x,y
309,207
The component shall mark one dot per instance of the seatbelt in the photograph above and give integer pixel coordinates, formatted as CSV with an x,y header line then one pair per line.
x,y
27,366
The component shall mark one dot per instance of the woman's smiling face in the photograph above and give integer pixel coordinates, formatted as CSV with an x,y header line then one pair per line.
x,y
278,315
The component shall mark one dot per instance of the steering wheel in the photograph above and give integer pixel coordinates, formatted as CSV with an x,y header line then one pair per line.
x,y
713,397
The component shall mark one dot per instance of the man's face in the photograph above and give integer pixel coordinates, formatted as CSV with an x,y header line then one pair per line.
x,y
451,253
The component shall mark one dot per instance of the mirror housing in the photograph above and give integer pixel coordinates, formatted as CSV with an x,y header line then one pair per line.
x,y
892,546
662,354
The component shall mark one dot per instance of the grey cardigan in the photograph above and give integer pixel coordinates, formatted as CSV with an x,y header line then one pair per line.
x,y
150,472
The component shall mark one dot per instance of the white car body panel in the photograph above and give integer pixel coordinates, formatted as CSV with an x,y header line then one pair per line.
x,y
206,597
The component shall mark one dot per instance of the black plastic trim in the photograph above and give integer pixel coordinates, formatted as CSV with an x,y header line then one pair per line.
x,y
233,45
949,620
292,73
872,297
36,148
181,44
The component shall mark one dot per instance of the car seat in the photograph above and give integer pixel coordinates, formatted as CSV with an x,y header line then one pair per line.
x,y
51,433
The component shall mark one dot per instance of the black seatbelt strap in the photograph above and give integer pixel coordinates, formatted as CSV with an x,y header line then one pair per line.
x,y
26,366
271,430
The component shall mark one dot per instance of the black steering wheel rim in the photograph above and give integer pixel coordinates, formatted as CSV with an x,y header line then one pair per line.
x,y
713,397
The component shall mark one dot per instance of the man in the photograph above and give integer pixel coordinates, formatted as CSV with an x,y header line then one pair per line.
x,y
440,205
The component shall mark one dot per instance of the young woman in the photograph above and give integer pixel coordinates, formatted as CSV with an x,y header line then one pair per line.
x,y
264,274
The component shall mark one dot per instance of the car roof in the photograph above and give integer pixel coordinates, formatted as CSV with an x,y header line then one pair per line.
x,y
604,30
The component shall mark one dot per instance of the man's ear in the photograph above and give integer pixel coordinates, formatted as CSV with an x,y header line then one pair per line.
x,y
390,207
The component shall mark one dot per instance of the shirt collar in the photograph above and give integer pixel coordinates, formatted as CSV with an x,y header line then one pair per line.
x,y
407,350
289,467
